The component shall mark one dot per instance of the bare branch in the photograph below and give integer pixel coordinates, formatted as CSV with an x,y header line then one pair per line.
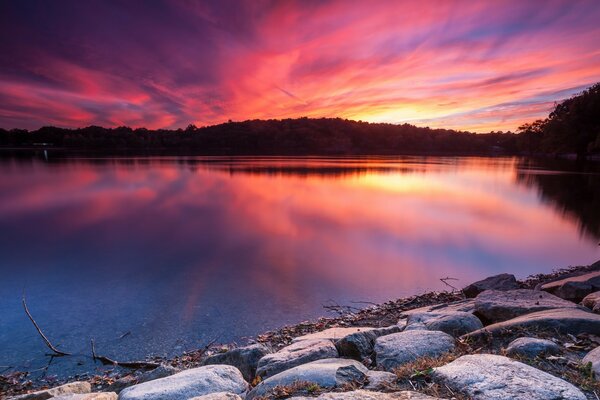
x,y
48,343
125,364
445,282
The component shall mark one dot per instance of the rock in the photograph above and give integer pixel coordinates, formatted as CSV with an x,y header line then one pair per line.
x,y
122,383
496,306
69,388
380,380
366,395
592,301
88,396
577,285
400,348
531,347
332,333
328,373
359,345
493,377
190,383
417,326
218,396
462,305
573,291
243,358
594,358
563,320
295,354
162,371
500,282
455,323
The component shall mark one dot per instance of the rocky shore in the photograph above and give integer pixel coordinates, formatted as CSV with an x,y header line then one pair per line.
x,y
497,339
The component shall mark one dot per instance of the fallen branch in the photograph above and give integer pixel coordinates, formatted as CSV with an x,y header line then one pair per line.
x,y
125,364
57,352
445,281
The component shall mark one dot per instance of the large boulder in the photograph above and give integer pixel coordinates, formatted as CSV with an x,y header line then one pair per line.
x,y
359,345
496,282
295,354
455,323
574,288
493,377
69,388
531,347
88,396
332,334
467,305
243,358
380,380
594,358
592,301
563,320
190,383
366,395
397,349
161,371
329,373
218,396
495,306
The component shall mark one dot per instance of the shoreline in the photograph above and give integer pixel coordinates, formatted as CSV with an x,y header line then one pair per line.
x,y
374,315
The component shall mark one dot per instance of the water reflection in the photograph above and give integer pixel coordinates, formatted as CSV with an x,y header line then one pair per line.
x,y
180,250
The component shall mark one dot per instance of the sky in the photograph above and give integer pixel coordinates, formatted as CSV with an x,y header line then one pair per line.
x,y
470,65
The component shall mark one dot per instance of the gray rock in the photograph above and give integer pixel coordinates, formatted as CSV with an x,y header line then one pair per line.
x,y
218,396
243,358
161,371
496,306
332,334
398,349
190,383
295,354
122,383
531,347
575,283
592,301
461,305
563,320
328,373
455,323
88,396
366,395
417,326
573,291
492,377
594,358
380,380
69,388
497,282
359,345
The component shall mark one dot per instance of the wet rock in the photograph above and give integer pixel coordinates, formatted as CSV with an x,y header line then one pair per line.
x,y
531,347
190,383
243,358
218,396
295,354
573,321
455,323
401,348
69,388
88,396
495,306
366,395
500,282
380,380
359,345
592,301
462,305
594,358
328,373
332,333
493,377
576,287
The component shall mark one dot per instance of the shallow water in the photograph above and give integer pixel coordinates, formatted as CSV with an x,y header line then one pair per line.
x,y
178,251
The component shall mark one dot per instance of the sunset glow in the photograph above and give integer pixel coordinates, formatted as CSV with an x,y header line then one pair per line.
x,y
470,65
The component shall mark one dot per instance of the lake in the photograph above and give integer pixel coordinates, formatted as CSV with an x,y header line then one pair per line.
x,y
159,255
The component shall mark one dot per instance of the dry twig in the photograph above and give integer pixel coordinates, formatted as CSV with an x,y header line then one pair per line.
x,y
57,352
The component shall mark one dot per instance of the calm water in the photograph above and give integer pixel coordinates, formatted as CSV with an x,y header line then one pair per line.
x,y
179,251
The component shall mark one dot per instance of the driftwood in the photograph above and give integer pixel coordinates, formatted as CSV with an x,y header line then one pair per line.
x,y
57,352
445,282
125,364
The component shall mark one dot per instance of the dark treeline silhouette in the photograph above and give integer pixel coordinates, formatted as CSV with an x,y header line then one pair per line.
x,y
288,136
573,127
